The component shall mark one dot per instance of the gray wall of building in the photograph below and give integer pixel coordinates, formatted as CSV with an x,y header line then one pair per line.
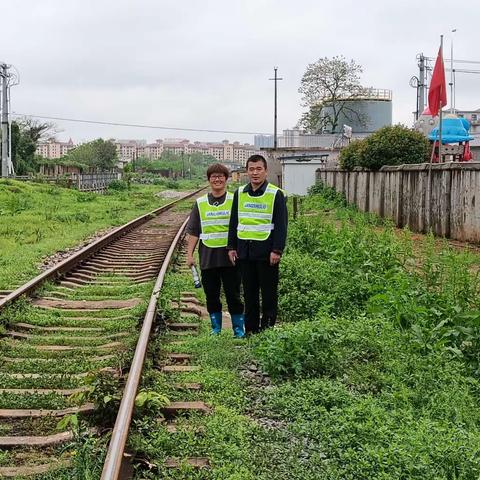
x,y
298,177
402,194
263,141
274,160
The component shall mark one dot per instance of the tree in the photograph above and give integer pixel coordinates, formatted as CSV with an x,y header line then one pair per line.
x,y
38,130
105,154
327,87
97,154
26,133
391,145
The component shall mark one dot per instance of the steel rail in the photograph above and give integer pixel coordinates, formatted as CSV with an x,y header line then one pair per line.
x,y
86,252
113,461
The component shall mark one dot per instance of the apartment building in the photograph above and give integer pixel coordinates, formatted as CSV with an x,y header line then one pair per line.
x,y
129,150
222,152
53,148
153,150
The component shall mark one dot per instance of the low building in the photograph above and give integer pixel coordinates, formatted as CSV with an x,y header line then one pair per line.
x,y
276,158
299,171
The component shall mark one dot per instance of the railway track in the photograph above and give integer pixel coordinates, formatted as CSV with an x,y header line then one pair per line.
x,y
81,316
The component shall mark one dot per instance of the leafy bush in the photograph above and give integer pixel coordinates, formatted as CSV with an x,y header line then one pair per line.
x,y
329,194
172,184
333,269
297,350
118,185
391,145
395,145
351,155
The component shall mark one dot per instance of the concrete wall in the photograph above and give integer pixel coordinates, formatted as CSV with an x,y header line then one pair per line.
x,y
449,208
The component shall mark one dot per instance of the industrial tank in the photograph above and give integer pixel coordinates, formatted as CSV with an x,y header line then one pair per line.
x,y
368,111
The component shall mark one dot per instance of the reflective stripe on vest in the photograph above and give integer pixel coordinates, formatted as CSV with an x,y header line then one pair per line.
x,y
255,214
214,221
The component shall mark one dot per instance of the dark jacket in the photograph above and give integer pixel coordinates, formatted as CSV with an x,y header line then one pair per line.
x,y
254,249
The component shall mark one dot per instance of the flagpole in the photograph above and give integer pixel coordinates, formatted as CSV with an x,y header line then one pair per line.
x,y
440,113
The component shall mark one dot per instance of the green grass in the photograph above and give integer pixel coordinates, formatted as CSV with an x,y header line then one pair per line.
x,y
37,220
373,370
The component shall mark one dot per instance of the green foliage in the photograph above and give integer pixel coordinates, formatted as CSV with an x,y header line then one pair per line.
x,y
395,145
343,270
23,150
98,154
69,422
352,155
150,401
328,194
105,391
192,166
392,391
118,185
26,134
391,145
37,220
302,349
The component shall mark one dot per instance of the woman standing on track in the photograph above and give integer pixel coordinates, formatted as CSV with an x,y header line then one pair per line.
x,y
209,221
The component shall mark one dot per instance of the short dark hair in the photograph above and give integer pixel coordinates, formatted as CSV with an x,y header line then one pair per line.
x,y
218,168
257,158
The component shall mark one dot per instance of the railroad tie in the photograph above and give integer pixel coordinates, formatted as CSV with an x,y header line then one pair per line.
x,y
182,326
179,368
174,409
26,471
195,462
179,358
66,327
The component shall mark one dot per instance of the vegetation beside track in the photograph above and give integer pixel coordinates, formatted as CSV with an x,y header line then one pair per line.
x,y
43,358
377,371
37,220
373,372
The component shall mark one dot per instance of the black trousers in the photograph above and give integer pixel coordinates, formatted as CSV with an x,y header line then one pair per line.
x,y
212,280
259,278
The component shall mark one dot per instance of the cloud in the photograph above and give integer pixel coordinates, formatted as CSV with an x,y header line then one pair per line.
x,y
207,64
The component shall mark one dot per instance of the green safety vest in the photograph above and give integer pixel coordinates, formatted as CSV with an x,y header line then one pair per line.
x,y
214,221
255,214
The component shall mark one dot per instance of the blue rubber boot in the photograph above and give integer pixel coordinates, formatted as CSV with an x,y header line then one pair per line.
x,y
216,320
238,324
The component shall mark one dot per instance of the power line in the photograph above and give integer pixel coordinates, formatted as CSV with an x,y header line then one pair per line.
x,y
477,62
137,125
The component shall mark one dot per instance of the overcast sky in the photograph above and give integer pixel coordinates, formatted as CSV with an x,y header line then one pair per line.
x,y
206,64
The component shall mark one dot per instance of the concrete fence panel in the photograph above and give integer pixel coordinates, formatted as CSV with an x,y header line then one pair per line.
x,y
441,197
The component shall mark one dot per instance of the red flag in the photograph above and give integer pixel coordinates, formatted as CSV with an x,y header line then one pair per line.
x,y
437,95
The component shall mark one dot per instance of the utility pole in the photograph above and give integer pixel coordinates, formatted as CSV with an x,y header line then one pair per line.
x,y
275,79
421,84
4,79
452,73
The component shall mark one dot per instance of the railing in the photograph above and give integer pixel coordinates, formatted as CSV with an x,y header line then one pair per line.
x,y
93,182
85,182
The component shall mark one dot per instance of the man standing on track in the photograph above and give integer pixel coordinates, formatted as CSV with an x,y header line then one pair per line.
x,y
209,221
256,239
